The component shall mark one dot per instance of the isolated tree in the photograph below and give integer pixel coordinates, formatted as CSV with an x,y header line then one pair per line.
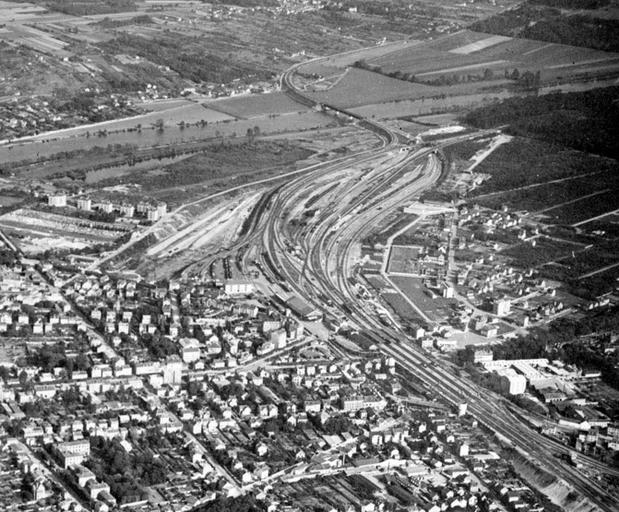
x,y
23,377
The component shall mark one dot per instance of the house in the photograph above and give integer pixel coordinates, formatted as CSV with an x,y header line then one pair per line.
x,y
190,349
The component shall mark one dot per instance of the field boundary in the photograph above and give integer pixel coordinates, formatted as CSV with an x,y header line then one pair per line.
x,y
601,216
565,203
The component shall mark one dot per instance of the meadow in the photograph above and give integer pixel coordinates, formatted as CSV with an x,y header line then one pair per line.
x,y
400,306
436,309
255,105
401,257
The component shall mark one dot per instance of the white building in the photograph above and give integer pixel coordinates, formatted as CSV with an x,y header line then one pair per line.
x,y
72,453
172,370
238,287
483,356
106,207
84,203
153,214
162,209
511,382
278,338
502,307
57,200
128,210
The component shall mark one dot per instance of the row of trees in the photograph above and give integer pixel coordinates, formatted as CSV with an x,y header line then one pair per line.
x,y
526,79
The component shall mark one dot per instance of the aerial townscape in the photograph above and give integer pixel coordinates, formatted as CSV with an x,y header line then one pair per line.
x,y
309,255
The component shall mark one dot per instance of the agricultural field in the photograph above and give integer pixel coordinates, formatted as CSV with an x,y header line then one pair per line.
x,y
359,87
586,209
590,272
429,106
467,55
241,44
519,166
436,309
36,231
544,199
34,39
336,64
546,250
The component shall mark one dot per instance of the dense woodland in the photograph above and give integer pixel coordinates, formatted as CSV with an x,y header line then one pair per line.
x,y
543,20
587,121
